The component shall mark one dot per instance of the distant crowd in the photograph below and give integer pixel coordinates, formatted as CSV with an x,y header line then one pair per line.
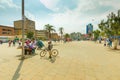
x,y
109,41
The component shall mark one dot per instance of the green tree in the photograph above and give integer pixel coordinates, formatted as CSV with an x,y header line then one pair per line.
x,y
105,28
67,36
111,27
30,35
75,35
96,34
49,29
115,27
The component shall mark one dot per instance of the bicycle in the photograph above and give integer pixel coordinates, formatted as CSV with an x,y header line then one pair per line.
x,y
54,52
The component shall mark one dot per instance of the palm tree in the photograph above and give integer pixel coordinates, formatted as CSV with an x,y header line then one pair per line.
x,y
61,31
49,29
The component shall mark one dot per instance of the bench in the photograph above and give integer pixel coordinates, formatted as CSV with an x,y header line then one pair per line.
x,y
28,51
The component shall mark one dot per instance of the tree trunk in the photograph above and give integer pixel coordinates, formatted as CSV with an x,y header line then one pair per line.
x,y
115,44
48,35
61,36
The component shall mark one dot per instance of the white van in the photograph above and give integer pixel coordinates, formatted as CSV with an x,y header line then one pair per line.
x,y
4,39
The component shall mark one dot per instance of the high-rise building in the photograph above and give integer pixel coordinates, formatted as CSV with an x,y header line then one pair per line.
x,y
89,28
29,26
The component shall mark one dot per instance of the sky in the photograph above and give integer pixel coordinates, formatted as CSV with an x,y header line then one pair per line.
x,y
72,15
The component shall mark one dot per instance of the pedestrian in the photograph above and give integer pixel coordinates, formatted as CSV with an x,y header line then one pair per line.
x,y
10,41
0,41
19,42
13,42
119,41
100,40
110,42
104,41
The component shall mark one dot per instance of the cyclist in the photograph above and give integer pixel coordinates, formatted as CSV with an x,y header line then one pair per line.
x,y
50,46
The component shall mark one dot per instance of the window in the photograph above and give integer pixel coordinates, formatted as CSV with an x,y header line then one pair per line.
x,y
4,33
4,29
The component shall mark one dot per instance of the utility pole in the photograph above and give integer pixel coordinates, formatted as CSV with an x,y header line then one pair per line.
x,y
22,30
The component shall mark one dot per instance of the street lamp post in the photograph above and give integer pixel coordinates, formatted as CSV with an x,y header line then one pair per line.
x,y
22,30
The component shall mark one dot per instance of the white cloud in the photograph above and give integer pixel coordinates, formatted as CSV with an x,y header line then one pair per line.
x,y
39,23
115,4
50,4
8,3
75,20
85,5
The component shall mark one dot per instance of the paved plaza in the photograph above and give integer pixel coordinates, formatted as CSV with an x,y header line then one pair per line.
x,y
83,60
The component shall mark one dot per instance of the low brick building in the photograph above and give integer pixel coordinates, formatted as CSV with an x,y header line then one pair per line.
x,y
55,36
41,34
6,31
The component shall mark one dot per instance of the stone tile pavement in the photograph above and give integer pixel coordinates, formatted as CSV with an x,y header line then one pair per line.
x,y
76,61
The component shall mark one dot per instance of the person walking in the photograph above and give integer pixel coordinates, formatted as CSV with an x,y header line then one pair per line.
x,y
105,41
110,40
13,42
10,41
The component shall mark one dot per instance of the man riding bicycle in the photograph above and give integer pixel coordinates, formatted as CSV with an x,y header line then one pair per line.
x,y
50,46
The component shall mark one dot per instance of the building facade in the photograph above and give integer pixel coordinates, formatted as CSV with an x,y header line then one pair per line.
x,y
89,28
29,26
6,31
54,36
41,34
75,36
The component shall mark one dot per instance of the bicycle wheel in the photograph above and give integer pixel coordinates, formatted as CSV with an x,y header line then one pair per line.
x,y
43,53
54,52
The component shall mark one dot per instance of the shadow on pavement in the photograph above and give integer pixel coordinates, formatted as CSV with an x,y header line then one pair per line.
x,y
16,74
52,60
27,56
114,50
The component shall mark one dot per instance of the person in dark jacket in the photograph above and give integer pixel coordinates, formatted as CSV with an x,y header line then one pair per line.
x,y
50,46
